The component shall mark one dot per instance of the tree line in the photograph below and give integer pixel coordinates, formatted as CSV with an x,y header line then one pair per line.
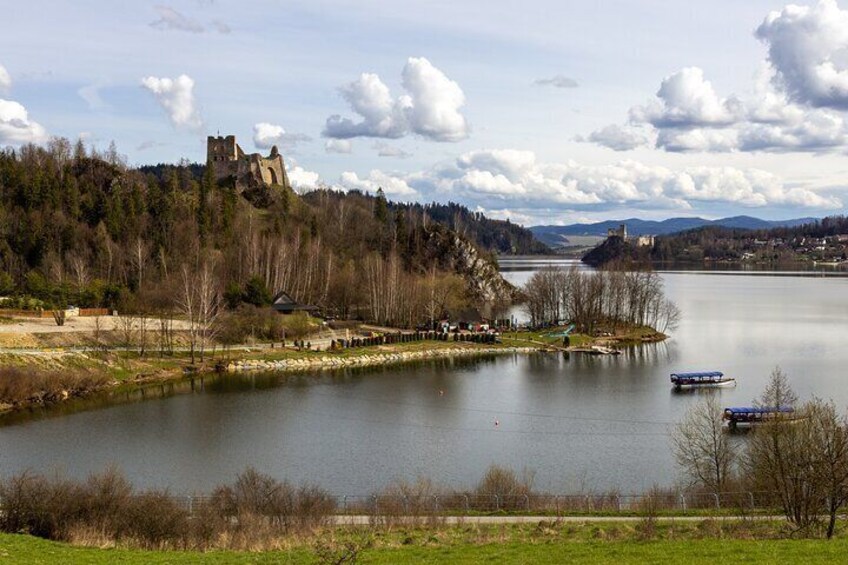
x,y
607,298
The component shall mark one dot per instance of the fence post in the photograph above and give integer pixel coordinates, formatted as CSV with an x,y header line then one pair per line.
x,y
527,503
405,505
190,507
497,502
344,504
467,508
718,503
556,504
435,504
683,501
751,496
374,498
618,502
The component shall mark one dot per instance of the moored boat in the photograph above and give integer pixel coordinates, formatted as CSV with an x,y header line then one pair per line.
x,y
701,379
750,415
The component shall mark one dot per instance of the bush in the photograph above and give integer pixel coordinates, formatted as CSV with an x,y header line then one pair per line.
x,y
248,514
156,521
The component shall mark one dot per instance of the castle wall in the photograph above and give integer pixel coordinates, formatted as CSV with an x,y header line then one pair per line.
x,y
249,170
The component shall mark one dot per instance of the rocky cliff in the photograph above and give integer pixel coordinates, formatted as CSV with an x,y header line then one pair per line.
x,y
453,252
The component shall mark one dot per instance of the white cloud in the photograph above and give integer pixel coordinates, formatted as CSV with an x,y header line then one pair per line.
x,y
16,127
435,102
386,150
91,94
510,179
557,81
688,116
685,99
369,97
221,27
622,138
392,185
149,144
5,80
338,146
430,108
300,178
172,19
176,96
267,135
807,46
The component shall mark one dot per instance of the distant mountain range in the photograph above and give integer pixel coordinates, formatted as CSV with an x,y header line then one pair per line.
x,y
557,236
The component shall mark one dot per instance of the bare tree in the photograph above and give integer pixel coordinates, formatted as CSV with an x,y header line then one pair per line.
x,y
143,330
779,459
208,305
199,300
186,302
138,258
127,327
827,434
702,448
98,333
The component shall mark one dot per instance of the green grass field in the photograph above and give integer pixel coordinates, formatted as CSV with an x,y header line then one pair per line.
x,y
609,543
25,549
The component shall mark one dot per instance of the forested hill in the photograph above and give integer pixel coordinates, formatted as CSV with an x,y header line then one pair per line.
x,y
554,234
81,227
495,236
823,240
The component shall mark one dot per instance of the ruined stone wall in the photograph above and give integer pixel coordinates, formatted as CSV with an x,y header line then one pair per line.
x,y
248,170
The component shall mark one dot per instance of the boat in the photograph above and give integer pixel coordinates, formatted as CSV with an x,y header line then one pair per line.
x,y
751,415
702,379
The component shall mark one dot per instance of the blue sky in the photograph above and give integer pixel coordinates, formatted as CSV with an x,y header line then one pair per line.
x,y
544,112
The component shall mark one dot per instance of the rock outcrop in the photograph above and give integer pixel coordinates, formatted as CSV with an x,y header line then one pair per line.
x,y
453,252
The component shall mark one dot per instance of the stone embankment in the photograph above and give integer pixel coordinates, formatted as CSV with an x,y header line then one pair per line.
x,y
366,360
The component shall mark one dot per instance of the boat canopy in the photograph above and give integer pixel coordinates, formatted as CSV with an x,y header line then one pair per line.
x,y
699,375
761,410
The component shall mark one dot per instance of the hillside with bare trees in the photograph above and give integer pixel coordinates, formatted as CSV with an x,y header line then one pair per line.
x,y
81,227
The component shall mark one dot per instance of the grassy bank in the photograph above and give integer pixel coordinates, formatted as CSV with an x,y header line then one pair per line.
x,y
47,377
621,337
704,542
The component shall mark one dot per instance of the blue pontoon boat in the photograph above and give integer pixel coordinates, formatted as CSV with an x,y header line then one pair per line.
x,y
749,415
701,379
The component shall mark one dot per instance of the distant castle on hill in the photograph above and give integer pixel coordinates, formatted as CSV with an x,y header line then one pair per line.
x,y
248,171
638,241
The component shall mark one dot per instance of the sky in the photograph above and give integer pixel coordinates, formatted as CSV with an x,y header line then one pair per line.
x,y
543,112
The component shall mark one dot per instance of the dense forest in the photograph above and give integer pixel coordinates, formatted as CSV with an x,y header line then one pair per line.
x,y
80,227
815,240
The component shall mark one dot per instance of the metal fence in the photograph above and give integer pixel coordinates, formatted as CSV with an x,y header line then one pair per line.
x,y
557,504
737,503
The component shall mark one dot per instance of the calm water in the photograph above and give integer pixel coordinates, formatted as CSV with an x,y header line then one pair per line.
x,y
578,422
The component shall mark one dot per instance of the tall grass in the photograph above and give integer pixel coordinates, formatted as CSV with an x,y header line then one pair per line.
x,y
41,386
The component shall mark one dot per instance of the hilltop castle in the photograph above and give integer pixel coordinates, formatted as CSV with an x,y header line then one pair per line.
x,y
228,160
621,233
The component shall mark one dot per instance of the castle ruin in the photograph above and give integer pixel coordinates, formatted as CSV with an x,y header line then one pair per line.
x,y
248,171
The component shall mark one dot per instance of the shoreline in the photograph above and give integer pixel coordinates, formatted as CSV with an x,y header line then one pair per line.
x,y
110,374
103,372
329,362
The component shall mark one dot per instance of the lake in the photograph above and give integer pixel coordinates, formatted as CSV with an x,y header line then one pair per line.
x,y
579,422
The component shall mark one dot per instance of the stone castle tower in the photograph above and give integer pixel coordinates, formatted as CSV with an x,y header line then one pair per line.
x,y
251,171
